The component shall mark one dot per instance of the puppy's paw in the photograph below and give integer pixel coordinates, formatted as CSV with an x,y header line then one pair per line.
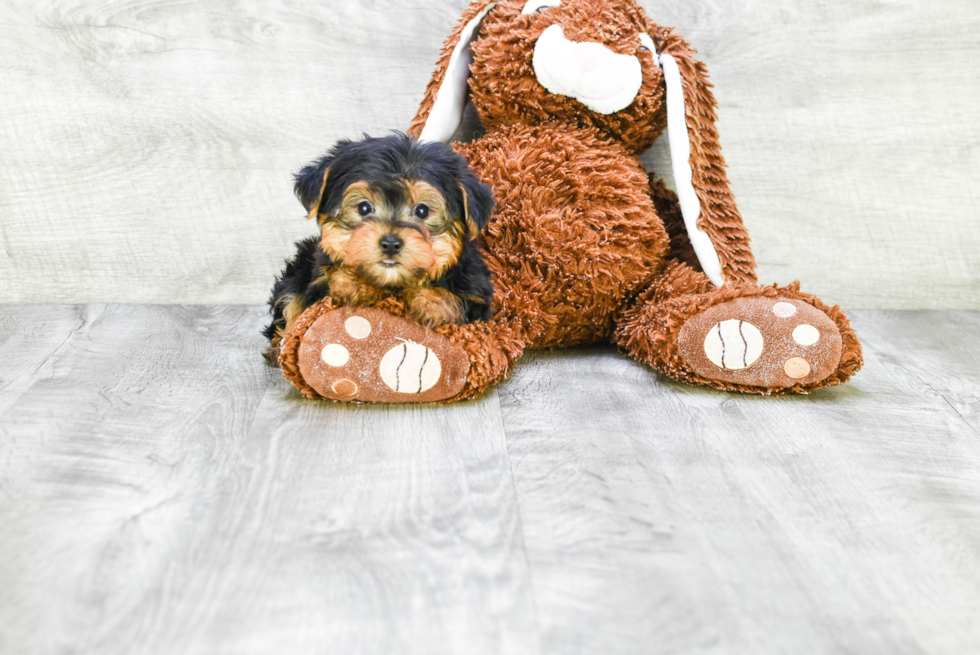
x,y
773,343
271,353
433,307
349,289
369,355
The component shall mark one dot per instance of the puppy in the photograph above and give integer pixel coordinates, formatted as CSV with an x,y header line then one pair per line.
x,y
397,218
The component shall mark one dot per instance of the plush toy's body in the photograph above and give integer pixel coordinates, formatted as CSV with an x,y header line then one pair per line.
x,y
575,234
584,246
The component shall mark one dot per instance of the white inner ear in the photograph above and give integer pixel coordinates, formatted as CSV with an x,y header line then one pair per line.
x,y
647,43
680,158
533,6
447,111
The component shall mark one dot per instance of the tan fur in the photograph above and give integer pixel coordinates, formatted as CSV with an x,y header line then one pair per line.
x,y
362,247
446,249
353,240
334,240
361,276
319,198
432,306
348,288
292,309
472,228
420,191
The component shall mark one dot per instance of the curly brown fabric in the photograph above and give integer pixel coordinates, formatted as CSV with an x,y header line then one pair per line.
x,y
290,342
648,331
584,245
494,348
720,217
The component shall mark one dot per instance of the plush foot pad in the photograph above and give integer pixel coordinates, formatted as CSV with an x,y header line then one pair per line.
x,y
761,342
368,355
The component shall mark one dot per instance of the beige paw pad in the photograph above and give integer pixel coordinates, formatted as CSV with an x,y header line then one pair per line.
x,y
358,327
806,335
335,355
733,344
797,367
410,368
783,309
343,387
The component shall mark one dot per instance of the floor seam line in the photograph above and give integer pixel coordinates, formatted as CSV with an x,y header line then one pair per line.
x,y
520,523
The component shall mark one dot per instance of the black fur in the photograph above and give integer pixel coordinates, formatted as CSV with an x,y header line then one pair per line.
x,y
383,162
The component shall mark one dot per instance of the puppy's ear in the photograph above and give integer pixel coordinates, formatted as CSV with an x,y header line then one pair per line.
x,y
441,110
311,183
477,203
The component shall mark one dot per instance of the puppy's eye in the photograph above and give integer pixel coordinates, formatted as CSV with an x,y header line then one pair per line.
x,y
364,208
536,6
421,211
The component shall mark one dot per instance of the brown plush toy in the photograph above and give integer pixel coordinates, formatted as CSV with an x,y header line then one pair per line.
x,y
584,246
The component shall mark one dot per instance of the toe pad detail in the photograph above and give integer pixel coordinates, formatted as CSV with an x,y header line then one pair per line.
x,y
762,342
410,368
733,344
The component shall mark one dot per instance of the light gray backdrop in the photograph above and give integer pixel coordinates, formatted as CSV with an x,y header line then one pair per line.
x,y
146,148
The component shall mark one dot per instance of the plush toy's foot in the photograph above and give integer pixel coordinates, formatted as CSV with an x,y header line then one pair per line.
x,y
370,355
763,342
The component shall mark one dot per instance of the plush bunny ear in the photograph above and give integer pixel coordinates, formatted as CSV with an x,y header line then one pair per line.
x,y
441,111
711,216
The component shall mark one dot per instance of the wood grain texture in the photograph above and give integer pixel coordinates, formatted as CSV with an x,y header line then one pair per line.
x,y
148,146
163,491
29,338
687,520
111,462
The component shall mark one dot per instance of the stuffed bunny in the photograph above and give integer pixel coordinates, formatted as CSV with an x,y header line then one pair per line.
x,y
584,246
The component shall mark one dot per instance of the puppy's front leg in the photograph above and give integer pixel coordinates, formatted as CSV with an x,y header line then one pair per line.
x,y
432,306
349,289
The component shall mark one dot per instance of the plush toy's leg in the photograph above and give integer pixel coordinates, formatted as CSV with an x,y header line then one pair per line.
x,y
377,355
768,340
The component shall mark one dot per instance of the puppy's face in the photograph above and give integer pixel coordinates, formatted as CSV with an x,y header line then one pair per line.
x,y
394,235
396,211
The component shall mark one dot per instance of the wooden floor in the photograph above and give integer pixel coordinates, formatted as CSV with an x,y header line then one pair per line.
x,y
163,491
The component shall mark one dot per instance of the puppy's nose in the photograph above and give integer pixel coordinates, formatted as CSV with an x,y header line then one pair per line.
x,y
390,244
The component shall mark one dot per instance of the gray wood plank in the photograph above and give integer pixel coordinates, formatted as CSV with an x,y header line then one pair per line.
x,y
165,492
29,338
106,462
148,146
162,491
684,519
938,350
371,530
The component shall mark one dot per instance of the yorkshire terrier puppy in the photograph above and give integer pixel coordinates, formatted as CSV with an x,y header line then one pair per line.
x,y
397,218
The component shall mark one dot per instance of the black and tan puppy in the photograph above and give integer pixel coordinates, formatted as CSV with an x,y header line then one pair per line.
x,y
397,218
